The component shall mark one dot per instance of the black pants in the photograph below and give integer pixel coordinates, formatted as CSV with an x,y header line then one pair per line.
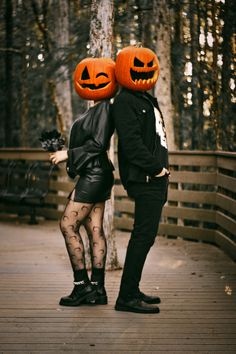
x,y
149,199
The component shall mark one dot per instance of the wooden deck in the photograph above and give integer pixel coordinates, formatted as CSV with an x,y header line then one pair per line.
x,y
196,282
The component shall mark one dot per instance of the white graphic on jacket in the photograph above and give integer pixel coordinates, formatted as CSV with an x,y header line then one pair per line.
x,y
160,129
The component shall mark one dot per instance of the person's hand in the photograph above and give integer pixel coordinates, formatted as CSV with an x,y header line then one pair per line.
x,y
163,172
58,156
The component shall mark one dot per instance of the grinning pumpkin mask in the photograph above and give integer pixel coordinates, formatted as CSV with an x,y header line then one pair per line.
x,y
137,68
94,78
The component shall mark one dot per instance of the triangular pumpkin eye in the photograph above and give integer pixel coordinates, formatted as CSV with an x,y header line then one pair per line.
x,y
150,64
85,74
138,62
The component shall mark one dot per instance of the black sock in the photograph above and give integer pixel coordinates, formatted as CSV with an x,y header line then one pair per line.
x,y
98,275
81,275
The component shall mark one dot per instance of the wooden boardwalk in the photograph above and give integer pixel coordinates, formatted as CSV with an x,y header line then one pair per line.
x,y
196,282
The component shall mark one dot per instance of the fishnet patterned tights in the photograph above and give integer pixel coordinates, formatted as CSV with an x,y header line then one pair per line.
x,y
91,216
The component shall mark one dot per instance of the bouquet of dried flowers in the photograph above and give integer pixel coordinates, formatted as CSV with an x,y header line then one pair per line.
x,y
52,140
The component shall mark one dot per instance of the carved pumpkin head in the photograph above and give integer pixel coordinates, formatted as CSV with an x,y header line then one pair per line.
x,y
94,78
137,68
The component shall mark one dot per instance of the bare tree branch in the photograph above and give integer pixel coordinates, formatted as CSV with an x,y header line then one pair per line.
x,y
13,50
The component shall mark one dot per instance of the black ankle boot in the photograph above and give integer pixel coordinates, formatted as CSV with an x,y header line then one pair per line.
x,y
101,295
82,292
97,282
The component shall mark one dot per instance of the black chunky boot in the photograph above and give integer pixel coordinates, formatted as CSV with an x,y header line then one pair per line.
x,y
101,295
97,282
83,292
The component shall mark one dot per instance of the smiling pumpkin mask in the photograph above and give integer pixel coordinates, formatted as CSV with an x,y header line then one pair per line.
x,y
137,68
94,78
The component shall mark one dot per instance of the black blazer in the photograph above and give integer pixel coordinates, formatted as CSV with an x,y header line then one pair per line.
x,y
89,140
140,154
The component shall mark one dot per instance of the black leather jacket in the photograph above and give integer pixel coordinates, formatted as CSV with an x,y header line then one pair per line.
x,y
140,153
89,140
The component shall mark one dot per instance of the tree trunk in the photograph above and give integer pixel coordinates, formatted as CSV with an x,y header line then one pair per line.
x,y
8,71
59,38
226,106
215,79
163,49
100,45
24,116
144,24
200,74
195,73
177,54
24,136
101,28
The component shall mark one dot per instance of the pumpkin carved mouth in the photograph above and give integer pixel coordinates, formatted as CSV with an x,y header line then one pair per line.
x,y
94,87
137,75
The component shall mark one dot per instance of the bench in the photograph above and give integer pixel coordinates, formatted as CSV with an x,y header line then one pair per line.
x,y
25,183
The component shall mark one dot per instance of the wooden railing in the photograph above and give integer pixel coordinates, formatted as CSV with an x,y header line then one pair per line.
x,y
201,200
59,186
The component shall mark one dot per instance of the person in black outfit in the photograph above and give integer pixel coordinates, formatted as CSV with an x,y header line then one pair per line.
x,y
87,157
143,166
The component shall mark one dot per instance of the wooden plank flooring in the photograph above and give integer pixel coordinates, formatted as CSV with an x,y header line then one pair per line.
x,y
196,282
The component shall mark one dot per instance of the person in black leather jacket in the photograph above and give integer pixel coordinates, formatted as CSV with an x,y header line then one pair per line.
x,y
141,155
87,158
143,166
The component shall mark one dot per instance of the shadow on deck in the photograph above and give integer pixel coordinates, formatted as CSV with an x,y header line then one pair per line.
x,y
196,282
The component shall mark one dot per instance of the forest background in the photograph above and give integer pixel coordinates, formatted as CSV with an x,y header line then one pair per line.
x,y
41,41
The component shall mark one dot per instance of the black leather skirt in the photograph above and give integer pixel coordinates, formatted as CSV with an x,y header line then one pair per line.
x,y
93,186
